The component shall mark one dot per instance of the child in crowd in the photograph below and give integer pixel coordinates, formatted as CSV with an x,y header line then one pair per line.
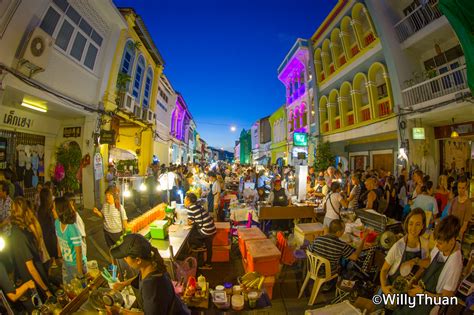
x,y
70,241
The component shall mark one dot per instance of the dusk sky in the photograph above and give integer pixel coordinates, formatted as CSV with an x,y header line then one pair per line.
x,y
223,55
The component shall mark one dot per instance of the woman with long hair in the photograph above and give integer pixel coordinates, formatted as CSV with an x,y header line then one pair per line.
x,y
410,251
24,251
46,216
155,286
390,196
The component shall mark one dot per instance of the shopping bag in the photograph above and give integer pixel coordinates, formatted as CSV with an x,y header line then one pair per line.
x,y
185,269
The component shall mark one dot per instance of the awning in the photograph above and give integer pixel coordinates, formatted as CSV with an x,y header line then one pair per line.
x,y
121,154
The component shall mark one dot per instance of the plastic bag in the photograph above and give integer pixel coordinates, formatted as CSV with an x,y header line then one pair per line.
x,y
185,269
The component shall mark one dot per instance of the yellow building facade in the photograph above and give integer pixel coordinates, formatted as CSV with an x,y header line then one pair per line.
x,y
131,96
354,93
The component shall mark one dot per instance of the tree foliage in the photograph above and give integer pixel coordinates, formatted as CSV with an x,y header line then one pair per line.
x,y
324,157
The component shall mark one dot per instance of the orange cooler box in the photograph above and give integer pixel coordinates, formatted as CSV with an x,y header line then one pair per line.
x,y
222,236
263,257
246,235
220,253
307,231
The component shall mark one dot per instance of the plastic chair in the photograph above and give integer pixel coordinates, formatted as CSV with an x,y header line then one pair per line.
x,y
315,262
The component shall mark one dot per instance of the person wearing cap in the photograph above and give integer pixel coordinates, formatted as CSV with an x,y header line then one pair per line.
x,y
279,196
153,282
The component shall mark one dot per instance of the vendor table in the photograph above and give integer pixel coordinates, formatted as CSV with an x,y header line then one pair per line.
x,y
172,246
242,214
288,212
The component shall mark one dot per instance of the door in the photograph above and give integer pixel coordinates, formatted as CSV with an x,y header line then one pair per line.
x,y
382,161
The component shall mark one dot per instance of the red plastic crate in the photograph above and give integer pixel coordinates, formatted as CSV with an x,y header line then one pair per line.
x,y
263,257
222,236
220,253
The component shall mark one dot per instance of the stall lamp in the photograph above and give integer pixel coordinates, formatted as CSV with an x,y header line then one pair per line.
x,y
142,187
158,188
454,134
2,243
36,107
126,192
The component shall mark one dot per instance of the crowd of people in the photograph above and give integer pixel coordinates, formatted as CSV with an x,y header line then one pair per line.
x,y
48,232
38,237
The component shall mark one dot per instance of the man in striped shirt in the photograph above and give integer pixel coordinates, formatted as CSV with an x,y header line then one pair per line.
x,y
333,249
203,230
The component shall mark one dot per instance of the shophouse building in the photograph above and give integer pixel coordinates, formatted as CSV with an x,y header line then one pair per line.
x,y
354,93
279,143
428,71
165,105
296,75
55,61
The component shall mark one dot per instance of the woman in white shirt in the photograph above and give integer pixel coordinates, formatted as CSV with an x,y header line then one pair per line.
x,y
411,250
441,278
333,203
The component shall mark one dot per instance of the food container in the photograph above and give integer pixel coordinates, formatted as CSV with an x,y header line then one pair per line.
x,y
253,297
236,289
237,302
220,288
228,288
221,300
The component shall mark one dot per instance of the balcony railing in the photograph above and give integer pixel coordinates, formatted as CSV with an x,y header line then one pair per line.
x,y
354,50
338,122
365,110
326,126
369,38
350,118
384,107
444,84
342,60
417,20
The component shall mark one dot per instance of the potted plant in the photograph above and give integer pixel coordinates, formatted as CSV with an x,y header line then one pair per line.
x,y
68,157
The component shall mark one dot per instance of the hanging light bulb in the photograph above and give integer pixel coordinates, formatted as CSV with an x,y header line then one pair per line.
x,y
158,187
454,133
2,243
142,187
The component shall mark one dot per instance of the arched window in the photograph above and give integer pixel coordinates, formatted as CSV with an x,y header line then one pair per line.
x,y
304,115
290,121
137,81
349,37
337,48
128,58
380,89
361,97
347,106
323,114
363,24
318,64
146,92
334,111
326,56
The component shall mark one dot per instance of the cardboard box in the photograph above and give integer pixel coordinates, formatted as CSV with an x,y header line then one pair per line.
x,y
263,257
222,235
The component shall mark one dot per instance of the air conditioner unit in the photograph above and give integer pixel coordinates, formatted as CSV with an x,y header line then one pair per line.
x,y
144,116
137,111
150,118
35,54
127,103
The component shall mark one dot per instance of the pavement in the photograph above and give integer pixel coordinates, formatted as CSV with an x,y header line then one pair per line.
x,y
285,290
